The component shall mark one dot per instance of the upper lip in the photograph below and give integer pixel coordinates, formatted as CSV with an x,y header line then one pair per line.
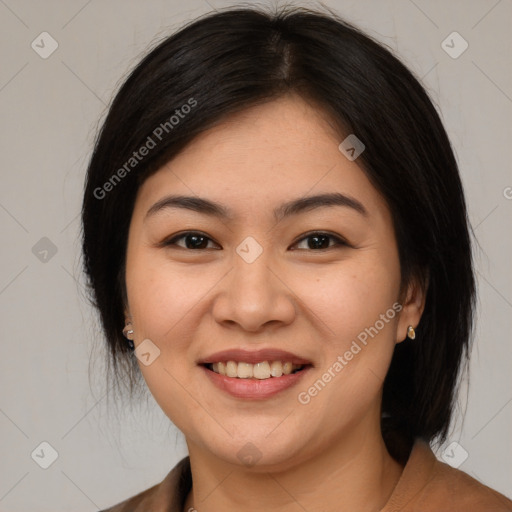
x,y
254,356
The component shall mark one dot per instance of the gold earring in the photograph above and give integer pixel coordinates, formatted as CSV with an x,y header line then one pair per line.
x,y
411,333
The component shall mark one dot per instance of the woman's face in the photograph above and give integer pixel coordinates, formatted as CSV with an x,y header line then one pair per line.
x,y
316,279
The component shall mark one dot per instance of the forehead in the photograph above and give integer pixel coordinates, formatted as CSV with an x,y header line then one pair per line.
x,y
281,150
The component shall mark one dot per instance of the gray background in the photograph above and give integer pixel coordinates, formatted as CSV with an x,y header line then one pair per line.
x,y
50,109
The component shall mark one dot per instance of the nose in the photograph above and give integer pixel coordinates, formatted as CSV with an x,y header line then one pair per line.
x,y
254,296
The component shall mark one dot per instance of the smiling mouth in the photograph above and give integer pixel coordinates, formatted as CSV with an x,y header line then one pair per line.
x,y
260,371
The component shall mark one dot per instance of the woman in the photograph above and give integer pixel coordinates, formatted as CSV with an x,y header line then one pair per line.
x,y
276,237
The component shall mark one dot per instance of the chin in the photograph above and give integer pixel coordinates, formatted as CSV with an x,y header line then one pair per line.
x,y
256,452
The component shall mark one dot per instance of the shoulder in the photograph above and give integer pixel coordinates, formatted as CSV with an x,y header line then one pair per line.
x,y
136,501
460,491
167,496
428,484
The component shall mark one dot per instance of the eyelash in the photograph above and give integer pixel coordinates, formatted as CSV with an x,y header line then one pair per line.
x,y
338,240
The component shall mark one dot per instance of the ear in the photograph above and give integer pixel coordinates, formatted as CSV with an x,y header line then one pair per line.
x,y
127,315
128,327
412,306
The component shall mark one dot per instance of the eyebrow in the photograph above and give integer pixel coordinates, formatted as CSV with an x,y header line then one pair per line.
x,y
294,207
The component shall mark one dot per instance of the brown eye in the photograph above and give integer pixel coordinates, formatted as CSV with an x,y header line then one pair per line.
x,y
192,240
320,241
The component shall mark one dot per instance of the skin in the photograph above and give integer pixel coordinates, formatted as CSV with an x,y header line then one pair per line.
x,y
327,455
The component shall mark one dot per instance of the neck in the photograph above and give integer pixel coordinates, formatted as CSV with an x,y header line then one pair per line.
x,y
355,472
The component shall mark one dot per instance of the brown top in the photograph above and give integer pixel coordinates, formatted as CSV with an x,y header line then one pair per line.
x,y
426,485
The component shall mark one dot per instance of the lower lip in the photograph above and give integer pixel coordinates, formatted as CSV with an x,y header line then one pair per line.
x,y
254,389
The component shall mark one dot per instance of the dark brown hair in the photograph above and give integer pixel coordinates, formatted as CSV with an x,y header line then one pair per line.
x,y
230,60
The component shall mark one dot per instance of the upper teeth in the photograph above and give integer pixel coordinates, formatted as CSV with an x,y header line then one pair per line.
x,y
263,370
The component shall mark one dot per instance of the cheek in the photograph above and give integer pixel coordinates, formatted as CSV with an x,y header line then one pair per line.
x,y
356,304
161,295
348,297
